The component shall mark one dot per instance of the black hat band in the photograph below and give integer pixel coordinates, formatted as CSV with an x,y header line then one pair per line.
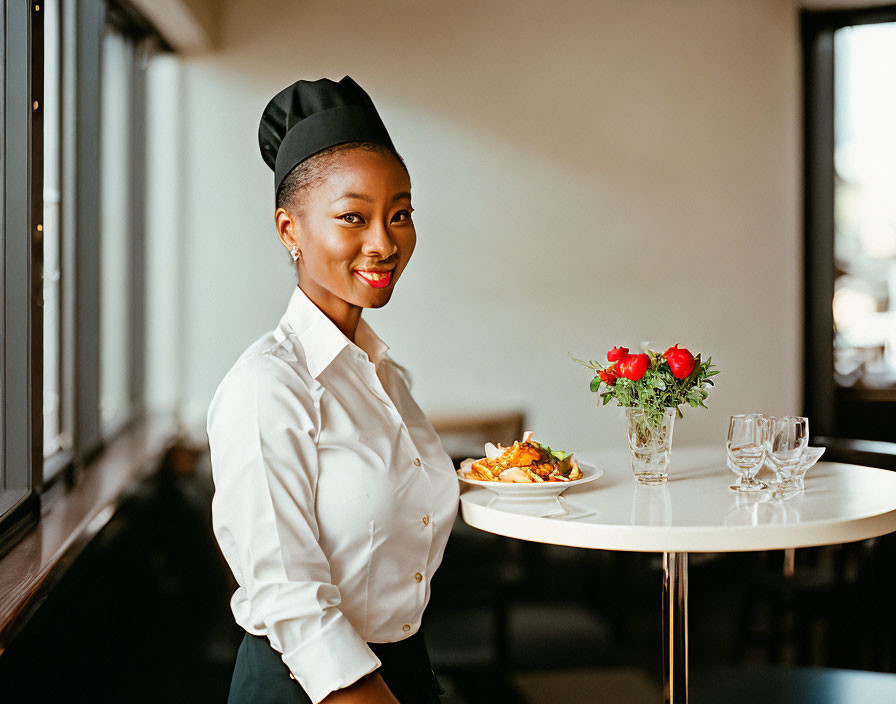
x,y
327,128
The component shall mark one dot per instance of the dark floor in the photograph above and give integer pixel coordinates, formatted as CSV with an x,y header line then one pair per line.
x,y
143,616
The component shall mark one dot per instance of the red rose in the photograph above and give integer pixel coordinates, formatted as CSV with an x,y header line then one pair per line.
x,y
634,366
617,353
680,361
609,375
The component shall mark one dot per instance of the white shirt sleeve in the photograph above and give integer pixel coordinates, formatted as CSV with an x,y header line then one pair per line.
x,y
264,465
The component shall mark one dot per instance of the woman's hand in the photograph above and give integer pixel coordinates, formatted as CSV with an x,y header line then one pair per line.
x,y
370,689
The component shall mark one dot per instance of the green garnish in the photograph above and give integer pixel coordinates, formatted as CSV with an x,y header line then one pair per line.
x,y
558,455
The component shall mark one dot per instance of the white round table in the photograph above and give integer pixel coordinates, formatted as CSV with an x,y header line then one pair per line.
x,y
694,511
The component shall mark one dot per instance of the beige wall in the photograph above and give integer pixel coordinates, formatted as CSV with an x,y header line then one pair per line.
x,y
584,174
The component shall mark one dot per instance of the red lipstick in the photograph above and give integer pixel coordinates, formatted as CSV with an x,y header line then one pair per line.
x,y
374,278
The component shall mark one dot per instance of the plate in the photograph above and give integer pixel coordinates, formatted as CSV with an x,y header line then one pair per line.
x,y
536,490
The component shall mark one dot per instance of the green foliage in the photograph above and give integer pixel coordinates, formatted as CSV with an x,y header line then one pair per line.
x,y
558,455
658,389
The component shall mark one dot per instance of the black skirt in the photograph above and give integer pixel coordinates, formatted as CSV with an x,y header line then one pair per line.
x,y
261,677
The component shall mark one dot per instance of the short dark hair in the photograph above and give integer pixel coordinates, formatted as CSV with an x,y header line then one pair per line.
x,y
317,167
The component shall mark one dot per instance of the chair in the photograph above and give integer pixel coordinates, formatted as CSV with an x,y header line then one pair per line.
x,y
465,435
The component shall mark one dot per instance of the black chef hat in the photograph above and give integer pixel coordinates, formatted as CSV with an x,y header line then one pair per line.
x,y
309,116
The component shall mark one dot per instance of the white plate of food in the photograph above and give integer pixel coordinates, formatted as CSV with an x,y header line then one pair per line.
x,y
526,470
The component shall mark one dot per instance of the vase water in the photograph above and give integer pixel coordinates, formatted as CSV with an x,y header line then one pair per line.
x,y
650,443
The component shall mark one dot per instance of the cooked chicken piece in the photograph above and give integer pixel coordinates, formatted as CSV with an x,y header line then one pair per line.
x,y
514,474
522,455
542,470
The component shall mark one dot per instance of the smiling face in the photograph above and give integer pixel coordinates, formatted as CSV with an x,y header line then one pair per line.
x,y
354,230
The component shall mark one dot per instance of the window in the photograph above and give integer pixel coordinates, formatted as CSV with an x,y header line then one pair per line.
x,y
115,228
864,303
850,218
71,238
21,112
57,436
126,50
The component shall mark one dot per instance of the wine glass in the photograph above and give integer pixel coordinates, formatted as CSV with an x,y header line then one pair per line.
x,y
787,441
747,447
809,458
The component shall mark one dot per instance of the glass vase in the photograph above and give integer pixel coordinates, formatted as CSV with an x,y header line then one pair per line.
x,y
650,443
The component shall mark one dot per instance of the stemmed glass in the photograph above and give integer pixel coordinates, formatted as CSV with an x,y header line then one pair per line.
x,y
810,457
787,441
747,447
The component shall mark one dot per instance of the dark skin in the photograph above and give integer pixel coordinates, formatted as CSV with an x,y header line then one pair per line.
x,y
352,229
339,236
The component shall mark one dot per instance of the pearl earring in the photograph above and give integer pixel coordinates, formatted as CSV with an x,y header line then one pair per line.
x,y
295,253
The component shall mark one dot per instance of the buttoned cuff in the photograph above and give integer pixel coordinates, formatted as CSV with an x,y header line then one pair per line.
x,y
332,659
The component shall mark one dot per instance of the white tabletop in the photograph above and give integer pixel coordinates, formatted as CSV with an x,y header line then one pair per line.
x,y
695,511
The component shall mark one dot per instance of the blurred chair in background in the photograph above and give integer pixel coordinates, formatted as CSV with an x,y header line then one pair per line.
x,y
464,435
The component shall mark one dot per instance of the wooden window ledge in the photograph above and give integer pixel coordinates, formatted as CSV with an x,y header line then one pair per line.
x,y
72,515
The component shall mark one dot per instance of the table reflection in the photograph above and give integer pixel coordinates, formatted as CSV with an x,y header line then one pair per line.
x,y
763,509
651,506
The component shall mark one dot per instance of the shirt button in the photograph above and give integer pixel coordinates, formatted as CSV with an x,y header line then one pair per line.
x,y
418,577
406,627
425,520
417,461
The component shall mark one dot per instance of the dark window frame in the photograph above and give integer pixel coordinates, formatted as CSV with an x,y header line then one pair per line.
x,y
839,416
21,406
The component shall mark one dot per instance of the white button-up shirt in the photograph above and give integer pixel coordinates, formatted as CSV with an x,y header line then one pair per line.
x,y
333,496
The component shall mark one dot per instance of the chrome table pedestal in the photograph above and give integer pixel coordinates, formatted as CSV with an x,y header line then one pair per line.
x,y
675,627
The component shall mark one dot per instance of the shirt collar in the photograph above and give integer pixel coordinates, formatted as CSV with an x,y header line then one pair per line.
x,y
322,340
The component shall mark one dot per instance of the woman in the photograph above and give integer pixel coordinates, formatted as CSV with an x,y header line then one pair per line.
x,y
333,496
